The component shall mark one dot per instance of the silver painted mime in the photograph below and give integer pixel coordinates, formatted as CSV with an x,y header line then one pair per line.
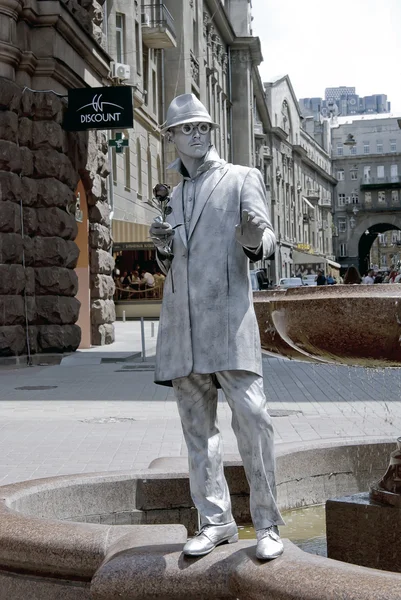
x,y
208,334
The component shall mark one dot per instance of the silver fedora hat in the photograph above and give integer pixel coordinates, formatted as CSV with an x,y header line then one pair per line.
x,y
186,109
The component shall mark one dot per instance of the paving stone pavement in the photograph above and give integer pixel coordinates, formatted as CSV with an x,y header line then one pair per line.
x,y
99,411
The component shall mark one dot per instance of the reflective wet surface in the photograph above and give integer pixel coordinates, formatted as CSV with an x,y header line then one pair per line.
x,y
305,527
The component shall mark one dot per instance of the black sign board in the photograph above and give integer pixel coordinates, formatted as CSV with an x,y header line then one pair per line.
x,y
99,108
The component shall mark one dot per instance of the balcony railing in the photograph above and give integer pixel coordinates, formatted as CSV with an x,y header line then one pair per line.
x,y
390,181
312,194
325,202
158,27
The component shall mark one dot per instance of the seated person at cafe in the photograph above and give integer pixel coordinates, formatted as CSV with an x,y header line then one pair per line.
x,y
148,278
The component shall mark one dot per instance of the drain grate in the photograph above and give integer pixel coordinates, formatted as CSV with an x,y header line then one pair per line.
x,y
37,387
106,420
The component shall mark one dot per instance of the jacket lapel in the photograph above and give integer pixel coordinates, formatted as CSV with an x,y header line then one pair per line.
x,y
178,213
206,190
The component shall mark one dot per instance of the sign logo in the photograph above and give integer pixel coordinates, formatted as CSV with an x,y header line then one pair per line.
x,y
99,108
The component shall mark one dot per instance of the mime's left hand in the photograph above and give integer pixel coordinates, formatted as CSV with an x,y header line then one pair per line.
x,y
249,232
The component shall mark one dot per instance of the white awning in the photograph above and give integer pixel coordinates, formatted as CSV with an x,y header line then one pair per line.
x,y
127,231
307,202
333,264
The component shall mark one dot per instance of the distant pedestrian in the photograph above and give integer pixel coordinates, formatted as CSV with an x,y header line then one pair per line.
x,y
352,276
320,279
369,278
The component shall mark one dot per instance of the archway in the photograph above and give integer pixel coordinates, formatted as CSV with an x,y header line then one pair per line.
x,y
366,242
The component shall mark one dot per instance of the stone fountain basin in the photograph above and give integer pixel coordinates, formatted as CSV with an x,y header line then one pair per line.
x,y
347,324
120,535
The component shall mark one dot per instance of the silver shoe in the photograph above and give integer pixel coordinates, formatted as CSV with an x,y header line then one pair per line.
x,y
209,537
269,544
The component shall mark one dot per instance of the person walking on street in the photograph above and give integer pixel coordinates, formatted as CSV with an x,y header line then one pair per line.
x,y
369,278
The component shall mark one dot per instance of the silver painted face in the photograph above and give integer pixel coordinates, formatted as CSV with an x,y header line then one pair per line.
x,y
192,139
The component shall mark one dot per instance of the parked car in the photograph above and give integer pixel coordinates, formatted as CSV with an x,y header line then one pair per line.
x,y
259,280
290,282
309,280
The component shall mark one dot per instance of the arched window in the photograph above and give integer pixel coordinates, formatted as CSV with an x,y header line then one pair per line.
x,y
139,164
285,118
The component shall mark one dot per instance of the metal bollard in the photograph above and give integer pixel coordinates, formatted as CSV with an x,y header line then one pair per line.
x,y
152,329
143,339
123,316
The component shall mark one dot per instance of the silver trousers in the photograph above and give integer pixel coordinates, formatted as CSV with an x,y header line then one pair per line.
x,y
197,405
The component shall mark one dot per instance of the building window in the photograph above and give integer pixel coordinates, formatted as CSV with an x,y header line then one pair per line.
x,y
139,165
366,147
340,149
145,72
394,237
394,196
368,197
341,199
379,147
154,91
354,198
393,145
340,175
380,172
394,173
366,174
353,150
343,250
120,50
382,238
127,165
354,174
381,197
138,48
150,174
342,225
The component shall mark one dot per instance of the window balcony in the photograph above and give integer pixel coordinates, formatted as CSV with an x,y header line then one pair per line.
x,y
325,202
388,182
312,195
158,30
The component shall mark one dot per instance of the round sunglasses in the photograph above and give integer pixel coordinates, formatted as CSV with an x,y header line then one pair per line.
x,y
187,128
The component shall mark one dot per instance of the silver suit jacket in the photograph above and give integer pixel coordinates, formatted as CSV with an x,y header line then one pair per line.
x,y
207,321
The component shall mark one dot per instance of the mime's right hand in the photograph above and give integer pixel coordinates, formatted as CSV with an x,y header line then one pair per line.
x,y
162,234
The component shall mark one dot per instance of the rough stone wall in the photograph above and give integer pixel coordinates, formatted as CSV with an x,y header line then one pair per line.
x,y
40,165
94,171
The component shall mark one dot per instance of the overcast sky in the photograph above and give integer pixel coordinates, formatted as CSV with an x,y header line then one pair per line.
x,y
327,44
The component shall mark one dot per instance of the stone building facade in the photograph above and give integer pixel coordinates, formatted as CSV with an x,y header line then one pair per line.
x,y
368,193
54,291
301,187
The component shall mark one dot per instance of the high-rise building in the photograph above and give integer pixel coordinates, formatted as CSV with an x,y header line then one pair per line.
x,y
335,93
343,101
